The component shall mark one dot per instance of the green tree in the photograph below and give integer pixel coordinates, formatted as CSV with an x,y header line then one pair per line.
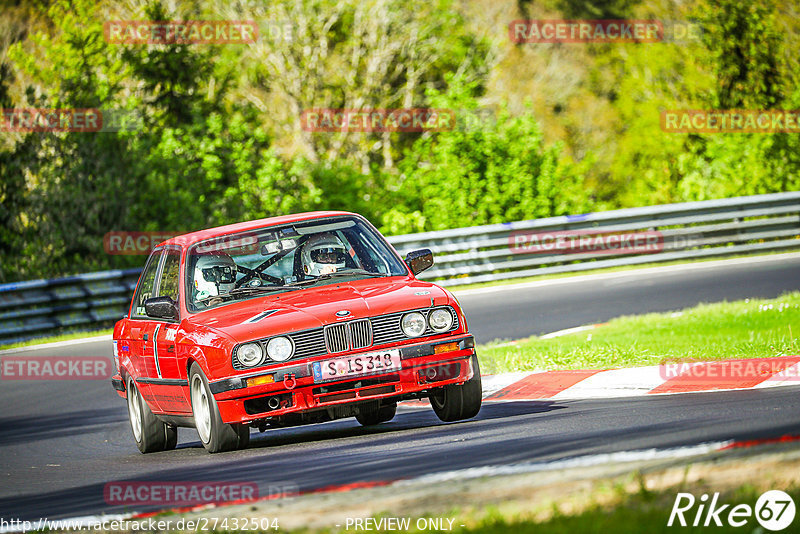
x,y
193,163
747,57
355,54
746,53
495,171
75,184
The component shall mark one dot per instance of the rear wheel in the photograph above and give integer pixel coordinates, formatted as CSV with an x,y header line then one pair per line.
x,y
377,416
150,433
456,402
215,435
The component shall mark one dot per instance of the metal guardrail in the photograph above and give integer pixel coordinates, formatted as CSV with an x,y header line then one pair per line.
x,y
42,307
691,230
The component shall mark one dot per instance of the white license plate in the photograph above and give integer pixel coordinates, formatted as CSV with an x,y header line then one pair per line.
x,y
357,365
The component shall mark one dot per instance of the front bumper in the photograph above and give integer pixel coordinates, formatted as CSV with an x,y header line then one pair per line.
x,y
118,384
424,366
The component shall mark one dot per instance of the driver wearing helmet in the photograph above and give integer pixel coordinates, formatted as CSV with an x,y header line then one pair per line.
x,y
323,254
214,277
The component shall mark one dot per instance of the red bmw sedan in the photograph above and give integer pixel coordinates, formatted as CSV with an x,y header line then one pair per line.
x,y
286,321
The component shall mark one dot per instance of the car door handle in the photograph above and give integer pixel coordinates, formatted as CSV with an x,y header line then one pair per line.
x,y
171,348
144,337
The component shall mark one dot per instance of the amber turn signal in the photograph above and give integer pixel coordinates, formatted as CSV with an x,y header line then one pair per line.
x,y
261,380
445,347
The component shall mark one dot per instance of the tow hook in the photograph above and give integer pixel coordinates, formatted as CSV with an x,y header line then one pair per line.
x,y
289,381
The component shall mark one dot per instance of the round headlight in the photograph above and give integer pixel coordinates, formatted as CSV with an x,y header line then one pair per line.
x,y
280,348
440,320
413,324
250,354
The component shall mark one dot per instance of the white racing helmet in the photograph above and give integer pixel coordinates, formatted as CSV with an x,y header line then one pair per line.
x,y
323,254
214,275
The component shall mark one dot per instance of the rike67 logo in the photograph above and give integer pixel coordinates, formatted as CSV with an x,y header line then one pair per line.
x,y
774,510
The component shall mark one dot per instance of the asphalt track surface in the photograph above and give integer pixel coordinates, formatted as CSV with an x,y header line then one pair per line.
x,y
60,442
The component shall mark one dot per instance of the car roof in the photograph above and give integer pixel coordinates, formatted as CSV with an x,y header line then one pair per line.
x,y
201,235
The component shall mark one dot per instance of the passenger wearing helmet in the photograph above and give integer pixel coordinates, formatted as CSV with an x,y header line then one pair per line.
x,y
323,254
214,277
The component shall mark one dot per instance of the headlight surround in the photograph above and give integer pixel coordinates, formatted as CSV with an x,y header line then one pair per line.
x,y
250,354
440,320
413,324
280,348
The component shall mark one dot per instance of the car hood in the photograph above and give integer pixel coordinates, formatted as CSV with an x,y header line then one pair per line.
x,y
317,306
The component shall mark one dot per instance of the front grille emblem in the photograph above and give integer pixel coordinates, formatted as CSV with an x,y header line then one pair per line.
x,y
342,313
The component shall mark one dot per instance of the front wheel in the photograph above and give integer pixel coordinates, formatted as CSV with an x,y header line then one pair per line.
x,y
215,435
456,402
377,416
150,433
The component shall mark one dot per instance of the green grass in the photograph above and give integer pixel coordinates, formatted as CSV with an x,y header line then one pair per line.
x,y
743,329
53,339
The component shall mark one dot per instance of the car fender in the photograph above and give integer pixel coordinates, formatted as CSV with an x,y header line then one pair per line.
x,y
453,301
196,354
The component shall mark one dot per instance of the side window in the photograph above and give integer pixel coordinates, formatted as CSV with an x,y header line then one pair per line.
x,y
146,284
168,287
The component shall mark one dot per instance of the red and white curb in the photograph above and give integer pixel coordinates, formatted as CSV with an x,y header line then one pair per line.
x,y
686,377
669,378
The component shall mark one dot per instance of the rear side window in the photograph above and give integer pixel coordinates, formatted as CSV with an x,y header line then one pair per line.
x,y
168,287
146,284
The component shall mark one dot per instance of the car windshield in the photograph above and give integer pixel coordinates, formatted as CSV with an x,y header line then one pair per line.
x,y
286,258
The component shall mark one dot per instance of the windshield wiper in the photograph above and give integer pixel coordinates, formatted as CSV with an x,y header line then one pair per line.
x,y
337,274
260,289
237,291
352,271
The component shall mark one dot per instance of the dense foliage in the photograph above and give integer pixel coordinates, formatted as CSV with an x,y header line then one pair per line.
x,y
555,129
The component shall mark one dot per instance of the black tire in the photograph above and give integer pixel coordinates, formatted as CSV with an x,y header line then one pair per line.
x,y
215,435
376,417
171,438
458,402
149,432
243,436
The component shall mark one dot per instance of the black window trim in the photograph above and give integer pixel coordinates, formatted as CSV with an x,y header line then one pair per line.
x,y
162,252
156,251
159,273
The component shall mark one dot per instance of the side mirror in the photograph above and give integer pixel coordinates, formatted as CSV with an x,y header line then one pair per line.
x,y
161,308
419,260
